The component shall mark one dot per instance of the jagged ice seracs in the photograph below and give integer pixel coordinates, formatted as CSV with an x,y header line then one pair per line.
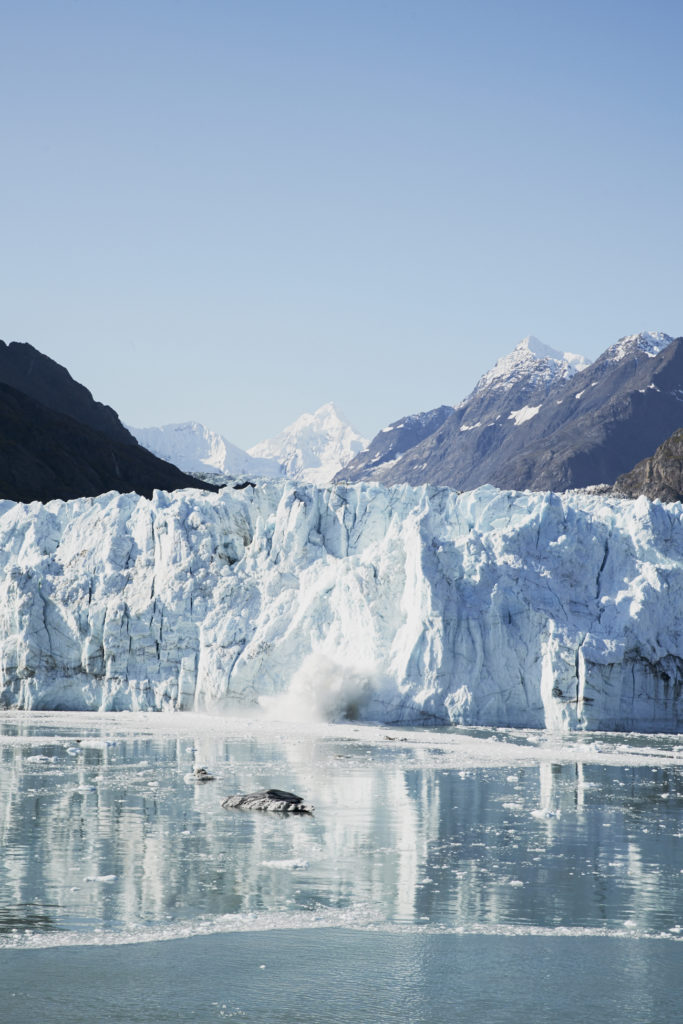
x,y
403,605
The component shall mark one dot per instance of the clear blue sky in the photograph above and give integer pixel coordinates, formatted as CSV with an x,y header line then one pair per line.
x,y
237,210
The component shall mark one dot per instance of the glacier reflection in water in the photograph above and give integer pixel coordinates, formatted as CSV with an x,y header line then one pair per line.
x,y
105,840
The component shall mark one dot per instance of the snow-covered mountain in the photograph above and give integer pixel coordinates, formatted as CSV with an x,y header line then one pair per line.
x,y
196,449
530,364
546,420
391,604
511,392
315,447
635,346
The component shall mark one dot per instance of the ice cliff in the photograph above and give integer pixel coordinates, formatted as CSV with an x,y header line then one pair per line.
x,y
391,604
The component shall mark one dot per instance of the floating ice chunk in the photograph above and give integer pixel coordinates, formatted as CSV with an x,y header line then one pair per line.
x,y
199,774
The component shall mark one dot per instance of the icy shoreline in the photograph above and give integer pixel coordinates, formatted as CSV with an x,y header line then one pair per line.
x,y
397,605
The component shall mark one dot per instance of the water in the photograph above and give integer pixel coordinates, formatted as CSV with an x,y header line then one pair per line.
x,y
469,848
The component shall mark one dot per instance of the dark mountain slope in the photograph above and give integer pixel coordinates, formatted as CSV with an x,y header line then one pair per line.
x,y
45,455
391,443
56,441
27,370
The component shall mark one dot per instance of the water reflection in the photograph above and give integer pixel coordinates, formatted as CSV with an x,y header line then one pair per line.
x,y
100,835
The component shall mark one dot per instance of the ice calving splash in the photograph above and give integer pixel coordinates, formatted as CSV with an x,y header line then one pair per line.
x,y
322,690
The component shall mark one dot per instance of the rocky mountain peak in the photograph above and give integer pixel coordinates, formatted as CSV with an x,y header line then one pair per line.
x,y
531,360
648,343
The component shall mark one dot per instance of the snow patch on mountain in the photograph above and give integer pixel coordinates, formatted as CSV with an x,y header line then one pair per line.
x,y
195,448
389,604
315,447
527,412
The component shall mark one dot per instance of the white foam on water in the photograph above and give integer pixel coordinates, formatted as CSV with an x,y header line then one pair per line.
x,y
293,864
354,919
359,917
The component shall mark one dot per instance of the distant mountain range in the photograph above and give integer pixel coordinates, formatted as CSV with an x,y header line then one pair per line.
x,y
313,448
56,441
540,420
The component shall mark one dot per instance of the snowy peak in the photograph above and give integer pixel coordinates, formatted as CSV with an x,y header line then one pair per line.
x,y
196,449
315,446
531,359
536,348
648,343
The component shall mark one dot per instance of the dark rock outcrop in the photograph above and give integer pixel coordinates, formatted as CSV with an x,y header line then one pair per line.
x,y
659,476
268,800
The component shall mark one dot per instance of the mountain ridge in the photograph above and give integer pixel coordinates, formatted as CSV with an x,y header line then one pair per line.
x,y
523,429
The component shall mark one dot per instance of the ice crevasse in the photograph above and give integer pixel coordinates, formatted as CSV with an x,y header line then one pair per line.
x,y
399,605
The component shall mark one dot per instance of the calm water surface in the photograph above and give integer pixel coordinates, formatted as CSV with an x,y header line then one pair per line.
x,y
430,845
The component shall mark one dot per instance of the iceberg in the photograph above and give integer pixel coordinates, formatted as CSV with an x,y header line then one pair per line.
x,y
405,605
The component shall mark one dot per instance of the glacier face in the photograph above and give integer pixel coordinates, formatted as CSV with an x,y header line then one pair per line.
x,y
390,604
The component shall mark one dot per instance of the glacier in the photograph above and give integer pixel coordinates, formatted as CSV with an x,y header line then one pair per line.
x,y
387,604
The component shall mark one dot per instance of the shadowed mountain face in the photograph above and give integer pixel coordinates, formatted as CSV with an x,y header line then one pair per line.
x,y
391,443
57,442
555,433
27,370
660,476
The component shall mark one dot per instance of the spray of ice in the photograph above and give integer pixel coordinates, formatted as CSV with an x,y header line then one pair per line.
x,y
323,691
